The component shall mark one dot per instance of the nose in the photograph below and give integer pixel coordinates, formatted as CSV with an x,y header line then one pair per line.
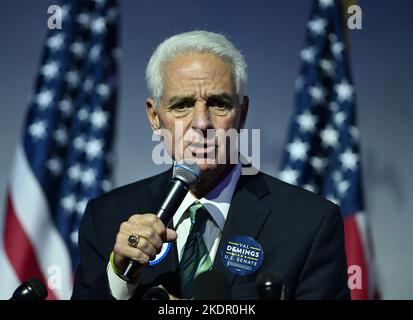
x,y
201,118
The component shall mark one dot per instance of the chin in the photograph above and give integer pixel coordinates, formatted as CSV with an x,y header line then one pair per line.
x,y
207,167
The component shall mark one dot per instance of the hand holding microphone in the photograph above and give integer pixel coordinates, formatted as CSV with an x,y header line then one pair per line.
x,y
141,237
149,233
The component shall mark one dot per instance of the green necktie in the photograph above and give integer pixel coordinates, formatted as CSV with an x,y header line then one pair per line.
x,y
195,257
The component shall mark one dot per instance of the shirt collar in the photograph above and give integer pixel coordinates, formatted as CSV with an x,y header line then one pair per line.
x,y
217,201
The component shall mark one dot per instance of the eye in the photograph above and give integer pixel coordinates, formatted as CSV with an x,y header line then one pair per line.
x,y
181,106
219,104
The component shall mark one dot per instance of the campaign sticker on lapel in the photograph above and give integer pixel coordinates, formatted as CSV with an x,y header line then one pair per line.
x,y
161,255
242,255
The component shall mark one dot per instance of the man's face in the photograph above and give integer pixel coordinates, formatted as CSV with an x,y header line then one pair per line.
x,y
198,105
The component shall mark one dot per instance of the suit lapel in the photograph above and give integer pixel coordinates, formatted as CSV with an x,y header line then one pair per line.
x,y
247,215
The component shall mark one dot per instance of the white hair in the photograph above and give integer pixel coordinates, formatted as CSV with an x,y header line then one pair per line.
x,y
195,42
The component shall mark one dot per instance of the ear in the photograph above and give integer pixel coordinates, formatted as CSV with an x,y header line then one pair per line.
x,y
244,111
153,117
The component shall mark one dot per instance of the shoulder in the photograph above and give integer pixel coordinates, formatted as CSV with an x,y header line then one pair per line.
x,y
135,189
296,202
129,199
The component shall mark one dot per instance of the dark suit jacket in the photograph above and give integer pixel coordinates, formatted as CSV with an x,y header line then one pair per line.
x,y
301,235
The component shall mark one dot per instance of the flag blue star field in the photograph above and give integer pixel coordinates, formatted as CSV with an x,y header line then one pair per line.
x,y
322,153
64,156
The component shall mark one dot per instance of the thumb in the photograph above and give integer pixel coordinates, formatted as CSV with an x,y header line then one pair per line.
x,y
171,235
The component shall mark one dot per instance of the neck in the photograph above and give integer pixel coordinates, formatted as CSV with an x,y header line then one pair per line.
x,y
209,181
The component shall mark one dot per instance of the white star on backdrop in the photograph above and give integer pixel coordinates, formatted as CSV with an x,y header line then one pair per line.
x,y
65,11
81,206
310,187
55,166
99,119
88,84
328,66
325,3
319,164
78,49
79,143
72,77
342,187
88,177
349,160
69,203
103,90
75,172
354,132
74,236
106,185
307,121
60,136
83,114
99,25
333,199
37,130
298,150
83,19
317,26
339,118
65,107
44,99
344,91
55,42
299,82
94,148
333,106
317,94
329,137
94,53
337,49
289,175
308,54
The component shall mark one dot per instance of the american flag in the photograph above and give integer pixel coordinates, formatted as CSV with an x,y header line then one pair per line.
x,y
322,153
64,156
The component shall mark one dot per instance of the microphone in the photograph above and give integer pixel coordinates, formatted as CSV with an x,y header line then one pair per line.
x,y
32,289
186,173
211,285
272,287
156,293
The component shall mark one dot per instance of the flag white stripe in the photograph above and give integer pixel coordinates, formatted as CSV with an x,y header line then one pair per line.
x,y
9,280
32,212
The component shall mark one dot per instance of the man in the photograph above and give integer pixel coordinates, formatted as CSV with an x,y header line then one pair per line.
x,y
197,81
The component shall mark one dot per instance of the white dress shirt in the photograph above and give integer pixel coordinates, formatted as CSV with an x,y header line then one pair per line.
x,y
216,202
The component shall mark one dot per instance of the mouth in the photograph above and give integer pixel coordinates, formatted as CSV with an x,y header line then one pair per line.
x,y
201,148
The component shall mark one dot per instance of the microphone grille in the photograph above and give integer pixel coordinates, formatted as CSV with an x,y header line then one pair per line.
x,y
187,171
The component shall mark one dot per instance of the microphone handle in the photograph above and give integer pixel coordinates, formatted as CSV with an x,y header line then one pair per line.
x,y
177,191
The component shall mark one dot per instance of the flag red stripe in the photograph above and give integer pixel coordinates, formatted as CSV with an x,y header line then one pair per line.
x,y
355,255
19,249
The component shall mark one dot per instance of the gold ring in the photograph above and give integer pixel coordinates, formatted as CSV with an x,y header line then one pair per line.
x,y
133,240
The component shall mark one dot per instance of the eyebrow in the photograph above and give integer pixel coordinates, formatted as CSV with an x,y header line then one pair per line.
x,y
217,96
179,99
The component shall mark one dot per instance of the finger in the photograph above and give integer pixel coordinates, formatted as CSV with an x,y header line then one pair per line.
x,y
132,253
144,231
151,220
143,244
171,235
